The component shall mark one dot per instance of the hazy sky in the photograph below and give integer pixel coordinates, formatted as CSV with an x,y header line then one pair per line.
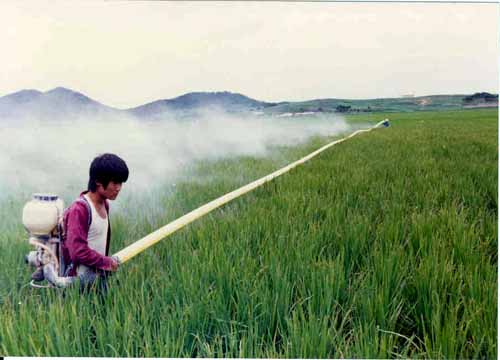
x,y
128,53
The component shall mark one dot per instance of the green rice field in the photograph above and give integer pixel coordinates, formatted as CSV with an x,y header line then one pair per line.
x,y
384,246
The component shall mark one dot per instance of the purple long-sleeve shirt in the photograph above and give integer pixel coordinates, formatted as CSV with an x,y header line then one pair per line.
x,y
75,246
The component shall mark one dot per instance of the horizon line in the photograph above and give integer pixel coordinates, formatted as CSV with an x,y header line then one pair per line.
x,y
408,96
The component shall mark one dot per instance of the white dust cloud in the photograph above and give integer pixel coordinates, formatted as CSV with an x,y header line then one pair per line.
x,y
41,156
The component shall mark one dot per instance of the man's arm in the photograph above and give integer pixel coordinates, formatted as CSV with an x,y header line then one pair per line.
x,y
77,244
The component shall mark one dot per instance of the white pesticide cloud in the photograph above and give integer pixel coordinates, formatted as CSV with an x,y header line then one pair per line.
x,y
39,156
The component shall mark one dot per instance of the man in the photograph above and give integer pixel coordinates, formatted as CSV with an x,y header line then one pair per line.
x,y
86,222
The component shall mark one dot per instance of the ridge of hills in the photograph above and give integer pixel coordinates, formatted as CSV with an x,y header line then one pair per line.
x,y
61,102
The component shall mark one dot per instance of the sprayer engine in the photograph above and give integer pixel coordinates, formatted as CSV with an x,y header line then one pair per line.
x,y
42,218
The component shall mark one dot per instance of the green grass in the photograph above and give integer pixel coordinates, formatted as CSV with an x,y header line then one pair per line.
x,y
383,246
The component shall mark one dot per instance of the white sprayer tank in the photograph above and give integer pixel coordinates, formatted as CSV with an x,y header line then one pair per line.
x,y
42,214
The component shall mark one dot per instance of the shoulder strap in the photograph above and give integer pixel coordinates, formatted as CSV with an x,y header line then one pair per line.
x,y
82,199
66,265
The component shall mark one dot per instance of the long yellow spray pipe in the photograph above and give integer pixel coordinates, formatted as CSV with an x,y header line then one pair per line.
x,y
140,245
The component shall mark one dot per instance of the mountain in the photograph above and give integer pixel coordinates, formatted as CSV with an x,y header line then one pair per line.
x,y
61,103
21,97
195,101
55,104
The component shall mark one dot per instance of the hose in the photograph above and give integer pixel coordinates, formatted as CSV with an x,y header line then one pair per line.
x,y
151,239
59,281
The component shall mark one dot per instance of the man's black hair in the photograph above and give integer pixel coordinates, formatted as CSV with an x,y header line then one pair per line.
x,y
106,168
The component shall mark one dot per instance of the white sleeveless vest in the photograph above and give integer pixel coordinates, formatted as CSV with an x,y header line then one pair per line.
x,y
98,233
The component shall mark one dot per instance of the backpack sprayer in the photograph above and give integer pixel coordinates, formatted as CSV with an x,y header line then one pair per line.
x,y
42,218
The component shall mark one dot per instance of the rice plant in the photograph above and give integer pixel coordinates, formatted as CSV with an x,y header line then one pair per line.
x,y
383,246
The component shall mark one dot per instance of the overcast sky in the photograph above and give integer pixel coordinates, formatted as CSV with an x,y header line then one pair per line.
x,y
124,54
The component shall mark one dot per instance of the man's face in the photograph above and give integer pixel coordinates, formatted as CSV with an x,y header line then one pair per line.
x,y
111,191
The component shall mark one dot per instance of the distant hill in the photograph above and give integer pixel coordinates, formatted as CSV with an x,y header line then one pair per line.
x,y
404,104
61,103
58,103
482,99
227,101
